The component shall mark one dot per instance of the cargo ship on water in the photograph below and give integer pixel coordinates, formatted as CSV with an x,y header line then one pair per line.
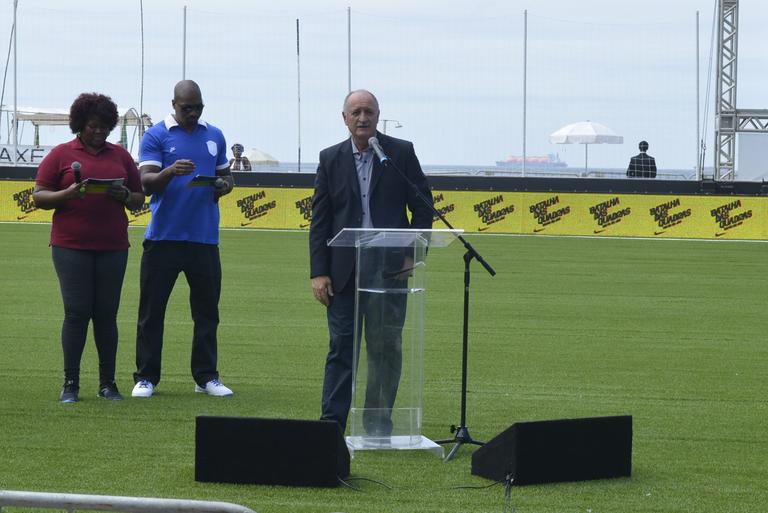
x,y
549,162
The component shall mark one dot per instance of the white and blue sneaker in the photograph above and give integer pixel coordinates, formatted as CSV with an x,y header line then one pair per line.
x,y
215,388
143,388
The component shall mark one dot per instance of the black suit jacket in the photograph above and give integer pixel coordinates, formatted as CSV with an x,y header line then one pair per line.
x,y
642,165
336,203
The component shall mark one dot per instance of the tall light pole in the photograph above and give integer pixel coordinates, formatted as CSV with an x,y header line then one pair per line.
x,y
525,86
184,45
15,89
298,95
349,50
385,121
698,105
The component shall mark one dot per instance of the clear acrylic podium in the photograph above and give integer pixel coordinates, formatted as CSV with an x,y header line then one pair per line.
x,y
388,375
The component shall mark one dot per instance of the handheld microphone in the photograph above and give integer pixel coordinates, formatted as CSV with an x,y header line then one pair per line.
x,y
78,178
373,142
76,170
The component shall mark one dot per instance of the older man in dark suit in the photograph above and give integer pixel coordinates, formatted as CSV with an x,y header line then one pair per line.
x,y
354,190
642,165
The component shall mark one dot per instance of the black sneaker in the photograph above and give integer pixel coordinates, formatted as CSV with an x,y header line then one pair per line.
x,y
69,392
110,392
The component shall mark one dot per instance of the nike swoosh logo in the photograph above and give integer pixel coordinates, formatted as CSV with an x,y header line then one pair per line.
x,y
483,228
600,231
19,218
719,234
303,225
659,233
246,224
537,230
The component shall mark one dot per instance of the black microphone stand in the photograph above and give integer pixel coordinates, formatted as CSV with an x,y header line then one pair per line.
x,y
461,431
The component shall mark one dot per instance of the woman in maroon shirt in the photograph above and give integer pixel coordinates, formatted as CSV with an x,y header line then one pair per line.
x,y
89,235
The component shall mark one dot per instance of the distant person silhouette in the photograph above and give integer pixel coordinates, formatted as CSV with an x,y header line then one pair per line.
x,y
642,165
240,162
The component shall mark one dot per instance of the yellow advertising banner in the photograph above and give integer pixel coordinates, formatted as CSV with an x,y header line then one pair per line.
x,y
300,208
484,211
737,218
16,203
600,215
635,215
139,217
267,207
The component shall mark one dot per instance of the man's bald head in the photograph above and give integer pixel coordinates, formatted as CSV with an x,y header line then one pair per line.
x,y
187,104
360,93
186,88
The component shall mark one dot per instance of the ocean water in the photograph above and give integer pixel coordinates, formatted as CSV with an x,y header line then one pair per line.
x,y
448,170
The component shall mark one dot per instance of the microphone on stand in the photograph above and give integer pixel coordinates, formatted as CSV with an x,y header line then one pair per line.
x,y
373,142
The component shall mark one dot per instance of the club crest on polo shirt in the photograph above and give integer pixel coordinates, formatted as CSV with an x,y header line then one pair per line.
x,y
212,148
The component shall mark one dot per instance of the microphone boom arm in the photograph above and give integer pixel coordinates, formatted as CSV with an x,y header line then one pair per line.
x,y
387,162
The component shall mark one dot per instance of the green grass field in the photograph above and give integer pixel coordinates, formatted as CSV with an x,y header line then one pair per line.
x,y
670,332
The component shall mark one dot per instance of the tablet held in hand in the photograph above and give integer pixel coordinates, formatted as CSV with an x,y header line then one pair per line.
x,y
100,185
203,181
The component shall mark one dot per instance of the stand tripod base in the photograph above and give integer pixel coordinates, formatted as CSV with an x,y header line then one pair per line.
x,y
462,437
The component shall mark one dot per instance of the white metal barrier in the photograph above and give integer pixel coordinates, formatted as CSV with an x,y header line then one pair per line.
x,y
74,502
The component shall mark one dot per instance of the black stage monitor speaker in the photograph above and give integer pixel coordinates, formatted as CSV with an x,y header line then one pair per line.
x,y
269,451
558,450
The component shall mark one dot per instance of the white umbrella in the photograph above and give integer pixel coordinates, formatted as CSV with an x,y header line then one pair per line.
x,y
586,133
261,158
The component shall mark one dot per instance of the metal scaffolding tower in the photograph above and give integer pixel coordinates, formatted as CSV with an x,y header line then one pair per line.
x,y
730,120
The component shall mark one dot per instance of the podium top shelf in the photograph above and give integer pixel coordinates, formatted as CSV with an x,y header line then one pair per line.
x,y
393,237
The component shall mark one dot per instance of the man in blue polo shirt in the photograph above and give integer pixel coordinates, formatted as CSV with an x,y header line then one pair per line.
x,y
182,236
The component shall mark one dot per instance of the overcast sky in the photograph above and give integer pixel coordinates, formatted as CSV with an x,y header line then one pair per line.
x,y
451,72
